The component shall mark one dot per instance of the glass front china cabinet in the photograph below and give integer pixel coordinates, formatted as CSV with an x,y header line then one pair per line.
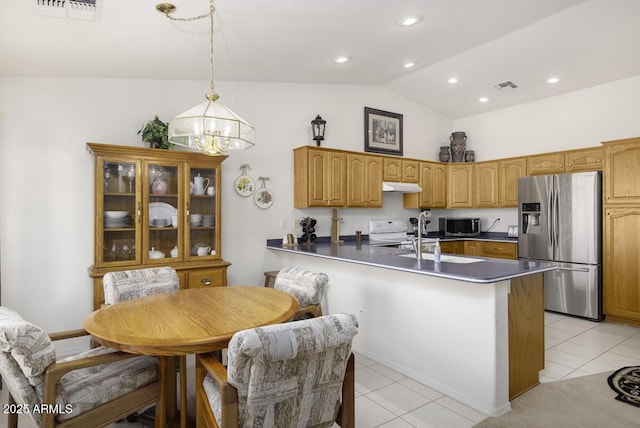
x,y
157,207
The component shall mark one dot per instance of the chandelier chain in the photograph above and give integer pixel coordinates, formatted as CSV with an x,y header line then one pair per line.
x,y
212,96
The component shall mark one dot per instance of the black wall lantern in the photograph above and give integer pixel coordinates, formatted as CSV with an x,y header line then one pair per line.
x,y
317,125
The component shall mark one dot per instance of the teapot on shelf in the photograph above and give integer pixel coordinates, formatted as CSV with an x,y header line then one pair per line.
x,y
200,185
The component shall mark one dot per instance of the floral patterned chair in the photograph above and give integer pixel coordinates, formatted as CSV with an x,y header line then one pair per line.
x,y
285,375
306,286
133,284
94,388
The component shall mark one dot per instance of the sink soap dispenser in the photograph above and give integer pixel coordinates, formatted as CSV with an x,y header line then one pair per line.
x,y
436,252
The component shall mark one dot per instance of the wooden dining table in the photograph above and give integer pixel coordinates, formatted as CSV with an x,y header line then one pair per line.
x,y
189,321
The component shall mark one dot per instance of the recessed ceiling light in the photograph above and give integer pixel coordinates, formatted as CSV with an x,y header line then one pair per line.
x,y
553,80
341,59
408,21
483,99
452,80
409,64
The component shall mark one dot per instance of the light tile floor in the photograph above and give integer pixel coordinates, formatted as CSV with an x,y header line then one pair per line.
x,y
388,399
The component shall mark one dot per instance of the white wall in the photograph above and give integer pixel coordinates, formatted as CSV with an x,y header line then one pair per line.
x,y
46,174
579,119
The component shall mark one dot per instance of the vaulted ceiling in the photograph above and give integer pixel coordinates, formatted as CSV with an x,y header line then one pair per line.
x,y
480,42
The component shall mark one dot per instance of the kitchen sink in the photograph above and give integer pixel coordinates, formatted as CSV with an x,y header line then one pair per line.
x,y
446,258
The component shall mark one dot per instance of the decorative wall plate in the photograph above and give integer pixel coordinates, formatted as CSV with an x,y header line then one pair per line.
x,y
244,185
263,197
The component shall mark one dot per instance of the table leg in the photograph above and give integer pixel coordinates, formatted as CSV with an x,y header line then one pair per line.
x,y
161,406
183,391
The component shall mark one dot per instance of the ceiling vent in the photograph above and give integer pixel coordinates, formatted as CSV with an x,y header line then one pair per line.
x,y
505,86
77,9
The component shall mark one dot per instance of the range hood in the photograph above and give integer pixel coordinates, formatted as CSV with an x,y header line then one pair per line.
x,y
390,186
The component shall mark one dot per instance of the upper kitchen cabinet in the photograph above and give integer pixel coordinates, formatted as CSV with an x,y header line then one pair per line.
x,y
622,171
433,180
591,159
364,180
401,170
157,208
460,185
486,184
319,177
548,163
509,171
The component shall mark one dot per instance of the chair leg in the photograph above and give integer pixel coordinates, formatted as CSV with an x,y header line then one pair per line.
x,y
347,413
12,420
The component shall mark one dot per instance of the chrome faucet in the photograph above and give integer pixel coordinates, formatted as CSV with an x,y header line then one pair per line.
x,y
421,219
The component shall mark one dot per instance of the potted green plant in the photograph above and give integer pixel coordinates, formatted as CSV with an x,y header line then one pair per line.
x,y
155,132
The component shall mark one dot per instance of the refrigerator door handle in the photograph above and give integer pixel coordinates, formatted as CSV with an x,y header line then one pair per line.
x,y
574,269
550,219
556,219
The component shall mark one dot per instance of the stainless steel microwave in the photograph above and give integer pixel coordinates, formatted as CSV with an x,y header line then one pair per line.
x,y
460,226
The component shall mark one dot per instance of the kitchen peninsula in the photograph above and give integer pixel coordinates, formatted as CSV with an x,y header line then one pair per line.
x,y
471,328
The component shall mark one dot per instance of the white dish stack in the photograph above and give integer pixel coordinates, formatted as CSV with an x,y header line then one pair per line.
x,y
113,219
207,220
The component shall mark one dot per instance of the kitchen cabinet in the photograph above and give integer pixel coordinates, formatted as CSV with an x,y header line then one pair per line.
x,y
622,172
486,184
622,264
319,177
494,249
621,256
472,248
460,185
452,247
433,180
591,159
401,170
149,212
547,163
500,250
364,180
509,172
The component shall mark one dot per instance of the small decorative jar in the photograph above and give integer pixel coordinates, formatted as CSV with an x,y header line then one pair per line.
x,y
444,154
469,156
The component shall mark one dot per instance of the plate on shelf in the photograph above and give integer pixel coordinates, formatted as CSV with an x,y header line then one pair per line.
x,y
116,214
161,210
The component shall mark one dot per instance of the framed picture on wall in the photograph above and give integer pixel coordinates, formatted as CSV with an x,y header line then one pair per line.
x,y
382,132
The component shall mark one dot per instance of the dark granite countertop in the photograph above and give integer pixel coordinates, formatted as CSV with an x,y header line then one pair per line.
x,y
488,270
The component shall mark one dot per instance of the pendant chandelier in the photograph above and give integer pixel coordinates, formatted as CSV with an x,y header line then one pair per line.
x,y
210,127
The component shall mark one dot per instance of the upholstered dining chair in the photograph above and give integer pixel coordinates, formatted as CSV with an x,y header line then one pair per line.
x,y
133,284
306,286
94,388
299,373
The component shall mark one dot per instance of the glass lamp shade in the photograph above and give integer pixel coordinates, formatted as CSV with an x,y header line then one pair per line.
x,y
212,128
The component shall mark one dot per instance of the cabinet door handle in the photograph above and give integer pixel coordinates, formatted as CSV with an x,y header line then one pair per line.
x,y
206,281
139,213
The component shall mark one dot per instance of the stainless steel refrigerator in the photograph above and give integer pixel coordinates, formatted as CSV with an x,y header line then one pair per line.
x,y
560,221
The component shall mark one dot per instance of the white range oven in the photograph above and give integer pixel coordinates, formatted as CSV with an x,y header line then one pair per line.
x,y
392,233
